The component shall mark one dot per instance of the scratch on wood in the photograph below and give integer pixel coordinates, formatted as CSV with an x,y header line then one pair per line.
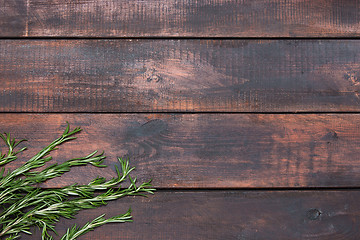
x,y
27,18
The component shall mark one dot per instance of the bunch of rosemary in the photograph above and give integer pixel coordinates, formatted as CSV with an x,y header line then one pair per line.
x,y
24,205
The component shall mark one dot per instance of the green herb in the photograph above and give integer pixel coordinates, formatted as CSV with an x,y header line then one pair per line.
x,y
25,205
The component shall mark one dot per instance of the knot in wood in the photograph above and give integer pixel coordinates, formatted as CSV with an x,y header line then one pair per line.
x,y
151,75
155,78
353,77
313,214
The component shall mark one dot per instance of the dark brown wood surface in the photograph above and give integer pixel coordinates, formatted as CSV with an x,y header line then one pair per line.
x,y
297,215
206,150
185,18
228,105
179,75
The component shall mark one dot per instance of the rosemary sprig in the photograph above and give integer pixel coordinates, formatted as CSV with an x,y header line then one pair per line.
x,y
25,205
75,232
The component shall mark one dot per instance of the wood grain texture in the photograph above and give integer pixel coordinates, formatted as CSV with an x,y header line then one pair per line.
x,y
13,18
179,75
205,150
172,18
324,215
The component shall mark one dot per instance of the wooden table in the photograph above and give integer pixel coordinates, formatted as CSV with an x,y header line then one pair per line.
x,y
244,113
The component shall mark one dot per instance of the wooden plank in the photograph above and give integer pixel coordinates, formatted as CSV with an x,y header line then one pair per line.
x,y
205,150
179,75
323,215
13,18
172,18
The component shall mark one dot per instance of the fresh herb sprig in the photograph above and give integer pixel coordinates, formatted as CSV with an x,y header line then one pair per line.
x,y
25,205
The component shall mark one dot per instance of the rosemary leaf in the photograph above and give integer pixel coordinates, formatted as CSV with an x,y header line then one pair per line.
x,y
25,205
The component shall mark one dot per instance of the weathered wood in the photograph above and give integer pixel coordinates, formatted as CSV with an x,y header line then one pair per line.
x,y
179,75
195,18
13,18
205,150
323,215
